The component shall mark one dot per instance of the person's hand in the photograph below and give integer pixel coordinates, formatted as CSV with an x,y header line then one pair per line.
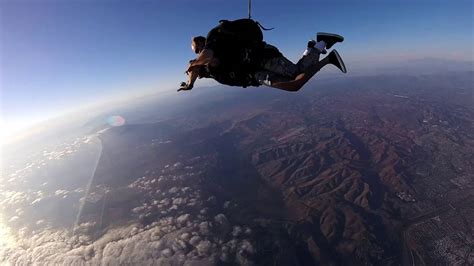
x,y
185,87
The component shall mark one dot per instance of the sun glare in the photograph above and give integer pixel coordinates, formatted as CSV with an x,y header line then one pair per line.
x,y
11,130
6,237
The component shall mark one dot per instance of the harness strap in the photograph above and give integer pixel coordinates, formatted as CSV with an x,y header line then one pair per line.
x,y
262,27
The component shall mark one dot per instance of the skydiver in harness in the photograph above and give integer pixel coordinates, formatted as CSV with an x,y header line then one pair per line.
x,y
234,53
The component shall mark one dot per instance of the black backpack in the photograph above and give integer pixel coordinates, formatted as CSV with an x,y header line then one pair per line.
x,y
245,31
238,45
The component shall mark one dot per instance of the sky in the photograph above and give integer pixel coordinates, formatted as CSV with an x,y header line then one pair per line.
x,y
58,55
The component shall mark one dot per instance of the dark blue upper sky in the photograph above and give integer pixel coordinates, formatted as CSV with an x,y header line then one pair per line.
x,y
60,54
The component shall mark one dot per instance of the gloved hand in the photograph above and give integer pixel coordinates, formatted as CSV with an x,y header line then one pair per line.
x,y
185,87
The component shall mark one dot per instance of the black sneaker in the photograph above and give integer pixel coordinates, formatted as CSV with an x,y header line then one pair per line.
x,y
329,38
335,59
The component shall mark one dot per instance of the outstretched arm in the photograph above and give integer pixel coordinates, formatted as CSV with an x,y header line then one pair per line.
x,y
192,76
204,58
196,72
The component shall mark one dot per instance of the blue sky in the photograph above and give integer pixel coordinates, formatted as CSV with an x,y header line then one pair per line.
x,y
58,55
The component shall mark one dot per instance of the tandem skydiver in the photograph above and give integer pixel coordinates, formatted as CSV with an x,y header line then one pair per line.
x,y
235,54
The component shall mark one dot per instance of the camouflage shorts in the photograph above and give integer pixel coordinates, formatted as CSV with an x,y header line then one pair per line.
x,y
277,69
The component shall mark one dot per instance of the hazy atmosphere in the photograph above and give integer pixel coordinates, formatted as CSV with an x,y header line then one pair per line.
x,y
59,55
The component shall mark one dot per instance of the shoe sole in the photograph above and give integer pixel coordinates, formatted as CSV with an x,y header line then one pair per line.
x,y
331,35
339,60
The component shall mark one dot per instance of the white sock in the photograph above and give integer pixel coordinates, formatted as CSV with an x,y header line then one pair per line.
x,y
320,46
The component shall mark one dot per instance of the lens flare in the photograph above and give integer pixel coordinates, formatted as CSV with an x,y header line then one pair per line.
x,y
116,121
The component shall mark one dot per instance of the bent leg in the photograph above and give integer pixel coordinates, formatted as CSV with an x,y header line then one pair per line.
x,y
308,60
301,79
